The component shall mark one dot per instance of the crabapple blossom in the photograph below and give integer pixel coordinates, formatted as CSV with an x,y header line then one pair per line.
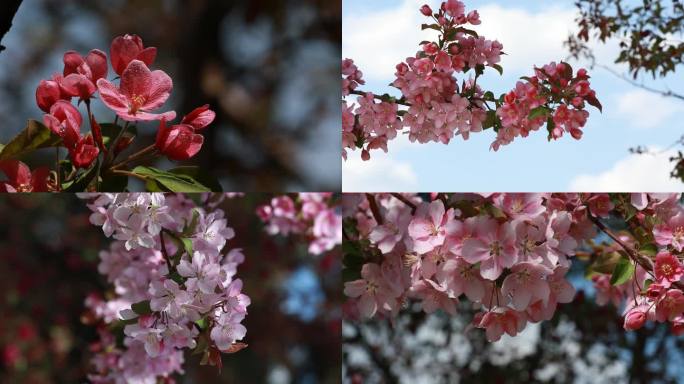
x,y
312,215
139,92
436,106
167,294
20,178
510,255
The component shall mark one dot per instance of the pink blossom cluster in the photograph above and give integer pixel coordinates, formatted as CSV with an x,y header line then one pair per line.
x,y
508,254
315,216
656,293
138,95
434,107
554,96
174,285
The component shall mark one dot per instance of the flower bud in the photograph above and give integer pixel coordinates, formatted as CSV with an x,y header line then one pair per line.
x,y
47,94
635,319
426,10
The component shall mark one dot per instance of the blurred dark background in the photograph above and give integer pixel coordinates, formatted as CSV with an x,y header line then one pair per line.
x,y
583,343
269,68
48,265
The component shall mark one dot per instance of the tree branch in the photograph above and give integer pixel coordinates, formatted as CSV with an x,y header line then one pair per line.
x,y
374,208
7,12
660,92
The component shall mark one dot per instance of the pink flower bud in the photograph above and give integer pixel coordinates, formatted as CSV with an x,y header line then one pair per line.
x,y
200,117
426,10
178,142
635,319
127,48
47,94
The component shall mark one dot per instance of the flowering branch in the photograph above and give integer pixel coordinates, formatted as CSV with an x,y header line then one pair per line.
x,y
436,106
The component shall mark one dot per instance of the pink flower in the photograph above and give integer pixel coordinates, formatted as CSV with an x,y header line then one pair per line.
x,y
85,152
178,142
520,205
21,179
127,48
228,330
65,121
667,269
462,278
426,10
200,117
493,246
671,233
386,236
141,91
526,284
430,226
635,318
670,306
454,8
372,290
600,204
500,320
434,297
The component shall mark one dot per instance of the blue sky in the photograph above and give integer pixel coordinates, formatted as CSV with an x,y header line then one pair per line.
x,y
380,33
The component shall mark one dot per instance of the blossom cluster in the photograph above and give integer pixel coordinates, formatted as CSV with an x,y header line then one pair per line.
x,y
654,293
175,286
312,215
554,96
508,254
435,107
140,92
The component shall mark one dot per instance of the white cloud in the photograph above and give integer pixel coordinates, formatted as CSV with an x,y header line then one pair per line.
x,y
380,174
635,173
643,109
379,40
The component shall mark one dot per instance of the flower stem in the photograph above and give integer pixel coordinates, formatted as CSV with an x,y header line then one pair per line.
x,y
374,208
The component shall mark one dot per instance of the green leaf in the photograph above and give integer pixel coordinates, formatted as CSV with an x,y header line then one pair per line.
x,y
142,307
605,262
490,120
649,249
81,183
187,244
538,112
199,174
479,69
170,182
202,323
623,271
436,27
34,136
498,68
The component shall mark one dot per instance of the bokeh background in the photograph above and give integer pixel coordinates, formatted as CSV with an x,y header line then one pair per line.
x,y
270,69
48,264
584,343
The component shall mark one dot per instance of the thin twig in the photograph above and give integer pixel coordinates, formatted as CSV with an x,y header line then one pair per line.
x,y
404,200
381,98
374,208
660,92
163,249
640,259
